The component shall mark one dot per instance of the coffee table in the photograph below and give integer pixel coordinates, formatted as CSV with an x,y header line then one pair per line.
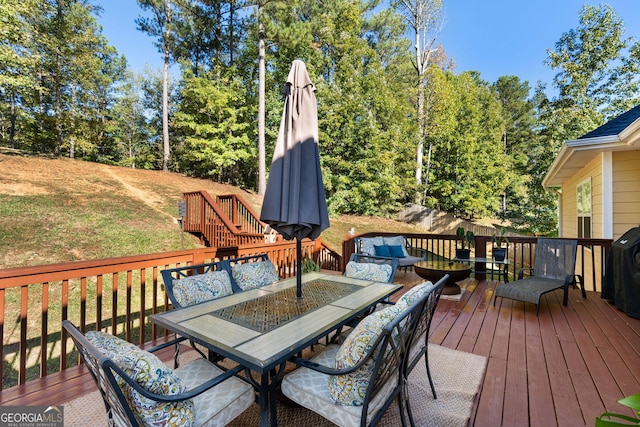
x,y
434,270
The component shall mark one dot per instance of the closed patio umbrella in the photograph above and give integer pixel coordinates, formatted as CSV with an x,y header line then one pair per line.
x,y
294,201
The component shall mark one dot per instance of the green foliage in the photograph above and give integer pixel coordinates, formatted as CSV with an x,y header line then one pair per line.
x,y
212,120
588,59
309,265
500,238
468,174
487,146
467,238
608,419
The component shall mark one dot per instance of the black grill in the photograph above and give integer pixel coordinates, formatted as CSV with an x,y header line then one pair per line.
x,y
622,276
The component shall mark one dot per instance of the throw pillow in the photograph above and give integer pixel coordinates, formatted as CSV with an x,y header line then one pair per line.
x,y
151,374
350,389
367,245
396,251
201,287
382,250
368,271
397,241
413,294
250,275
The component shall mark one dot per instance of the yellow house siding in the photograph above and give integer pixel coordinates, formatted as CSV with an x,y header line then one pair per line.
x,y
586,259
626,191
593,170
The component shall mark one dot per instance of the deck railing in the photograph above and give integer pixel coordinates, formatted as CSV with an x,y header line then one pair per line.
x,y
521,250
118,294
115,294
231,223
241,214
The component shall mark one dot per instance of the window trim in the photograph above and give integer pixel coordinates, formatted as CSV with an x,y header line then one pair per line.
x,y
581,216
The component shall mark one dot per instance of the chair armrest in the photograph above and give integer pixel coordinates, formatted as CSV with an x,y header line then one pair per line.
x,y
176,397
166,344
521,272
417,252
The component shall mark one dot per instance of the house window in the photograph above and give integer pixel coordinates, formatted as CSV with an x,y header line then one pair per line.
x,y
583,200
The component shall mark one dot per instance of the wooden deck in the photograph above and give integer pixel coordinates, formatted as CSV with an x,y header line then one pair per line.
x,y
562,368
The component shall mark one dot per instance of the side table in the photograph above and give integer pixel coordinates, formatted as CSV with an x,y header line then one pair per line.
x,y
434,270
501,265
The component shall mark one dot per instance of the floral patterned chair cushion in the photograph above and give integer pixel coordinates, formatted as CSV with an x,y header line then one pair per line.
x,y
368,245
350,389
201,287
250,275
151,374
413,294
368,271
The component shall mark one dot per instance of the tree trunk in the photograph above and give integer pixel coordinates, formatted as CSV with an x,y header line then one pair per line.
x,y
165,93
12,129
421,118
262,167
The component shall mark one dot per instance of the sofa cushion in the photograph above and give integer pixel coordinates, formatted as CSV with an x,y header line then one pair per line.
x,y
368,271
397,241
396,251
382,250
350,389
201,287
367,245
250,275
151,374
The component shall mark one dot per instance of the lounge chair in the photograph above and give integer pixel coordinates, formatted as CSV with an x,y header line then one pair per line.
x,y
553,268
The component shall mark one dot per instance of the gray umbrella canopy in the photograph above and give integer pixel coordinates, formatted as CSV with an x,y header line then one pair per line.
x,y
294,201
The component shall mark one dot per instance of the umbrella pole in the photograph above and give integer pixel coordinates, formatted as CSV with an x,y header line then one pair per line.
x,y
298,268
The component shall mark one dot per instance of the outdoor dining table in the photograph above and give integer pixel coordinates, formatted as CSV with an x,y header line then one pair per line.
x,y
262,328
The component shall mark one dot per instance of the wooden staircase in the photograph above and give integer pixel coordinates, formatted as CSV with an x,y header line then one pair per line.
x,y
222,221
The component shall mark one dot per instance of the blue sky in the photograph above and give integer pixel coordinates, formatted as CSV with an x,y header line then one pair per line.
x,y
494,37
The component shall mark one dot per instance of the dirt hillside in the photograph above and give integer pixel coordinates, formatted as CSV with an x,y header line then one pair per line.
x,y
58,210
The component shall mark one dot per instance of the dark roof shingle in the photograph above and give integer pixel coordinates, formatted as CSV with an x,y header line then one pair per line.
x,y
615,126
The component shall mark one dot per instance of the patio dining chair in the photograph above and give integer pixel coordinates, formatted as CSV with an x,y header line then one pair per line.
x,y
370,267
420,338
553,268
354,383
139,389
194,284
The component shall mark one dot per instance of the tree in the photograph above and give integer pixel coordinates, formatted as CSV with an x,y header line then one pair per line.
x,y
424,17
212,119
128,127
72,79
160,25
151,96
518,138
17,58
594,75
468,164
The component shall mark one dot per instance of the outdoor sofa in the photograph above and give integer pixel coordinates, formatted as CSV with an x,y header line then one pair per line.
x,y
391,246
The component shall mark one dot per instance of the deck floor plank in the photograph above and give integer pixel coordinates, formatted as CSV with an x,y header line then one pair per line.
x,y
515,400
537,380
562,367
